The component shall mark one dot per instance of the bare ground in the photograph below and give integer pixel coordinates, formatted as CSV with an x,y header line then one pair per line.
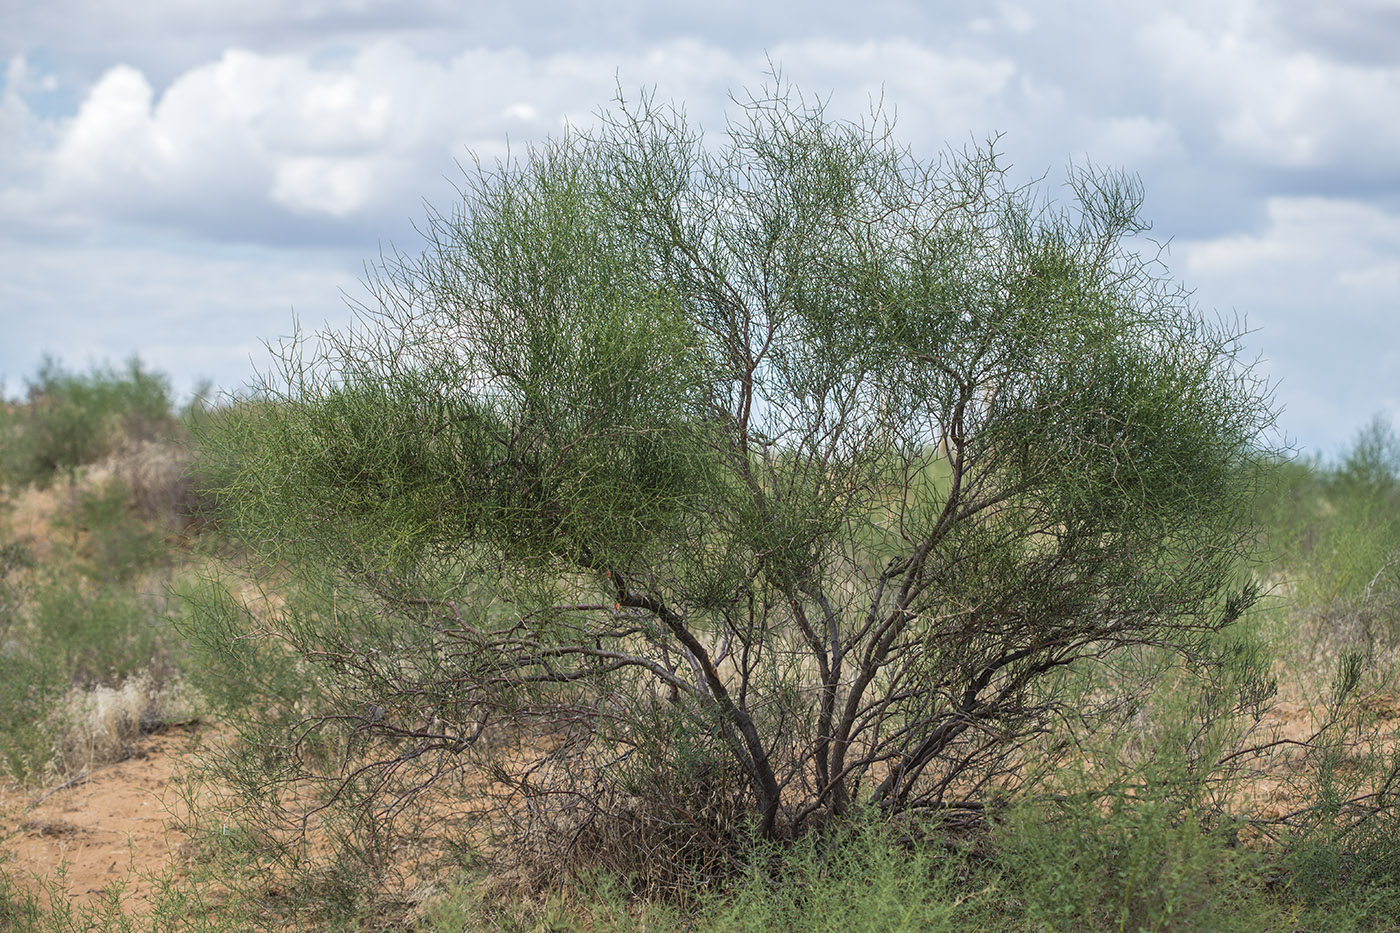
x,y
112,827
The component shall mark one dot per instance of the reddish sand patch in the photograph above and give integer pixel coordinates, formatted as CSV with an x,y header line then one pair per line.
x,y
112,828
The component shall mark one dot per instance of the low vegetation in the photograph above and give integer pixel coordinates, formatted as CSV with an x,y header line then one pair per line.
x,y
86,570
707,603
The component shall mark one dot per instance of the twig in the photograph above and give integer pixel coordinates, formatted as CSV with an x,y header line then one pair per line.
x,y
72,782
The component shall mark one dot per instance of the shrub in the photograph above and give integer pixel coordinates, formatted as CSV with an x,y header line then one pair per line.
x,y
1333,541
707,489
1131,864
71,420
1374,458
865,876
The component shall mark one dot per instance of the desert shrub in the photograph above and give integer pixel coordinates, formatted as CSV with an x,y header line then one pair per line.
x,y
1345,852
71,420
1332,536
719,491
96,634
1340,847
862,876
1364,490
1373,461
1335,861
1130,863
66,639
1333,526
87,655
302,863
1142,838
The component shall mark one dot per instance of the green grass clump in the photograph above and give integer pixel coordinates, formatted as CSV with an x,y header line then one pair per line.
x,y
1135,865
861,876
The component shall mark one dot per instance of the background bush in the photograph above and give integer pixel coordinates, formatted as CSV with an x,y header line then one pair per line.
x,y
72,419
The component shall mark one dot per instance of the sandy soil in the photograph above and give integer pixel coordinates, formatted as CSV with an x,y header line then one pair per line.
x,y
114,827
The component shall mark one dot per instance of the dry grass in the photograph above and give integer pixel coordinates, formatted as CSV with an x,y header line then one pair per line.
x,y
163,488
99,725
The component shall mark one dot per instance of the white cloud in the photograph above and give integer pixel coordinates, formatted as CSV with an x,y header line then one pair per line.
x,y
522,112
1270,104
1347,239
1321,281
1381,276
113,139
1009,17
26,136
944,95
1136,142
239,144
317,184
186,159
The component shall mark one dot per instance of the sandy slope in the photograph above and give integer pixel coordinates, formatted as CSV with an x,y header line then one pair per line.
x,y
115,827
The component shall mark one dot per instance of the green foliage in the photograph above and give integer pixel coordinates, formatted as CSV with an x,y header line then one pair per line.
x,y
83,617
239,675
71,420
25,746
1342,843
826,458
294,711
1333,526
95,635
19,909
1337,860
1083,864
858,878
1138,864
862,876
1374,458
68,635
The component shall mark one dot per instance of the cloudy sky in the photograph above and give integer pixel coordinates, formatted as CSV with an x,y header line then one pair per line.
x,y
179,178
